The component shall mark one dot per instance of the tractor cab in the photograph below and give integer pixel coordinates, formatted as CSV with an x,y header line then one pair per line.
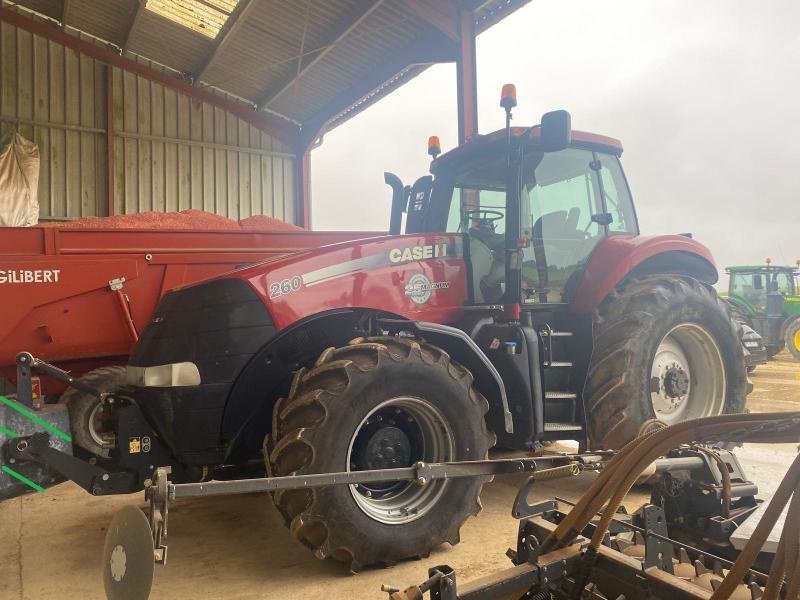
x,y
519,205
765,297
751,285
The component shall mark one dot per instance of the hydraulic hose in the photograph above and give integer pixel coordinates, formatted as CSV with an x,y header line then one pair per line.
x,y
726,427
726,478
621,472
791,538
748,554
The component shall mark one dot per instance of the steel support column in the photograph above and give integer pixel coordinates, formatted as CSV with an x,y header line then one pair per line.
x,y
303,187
110,139
467,78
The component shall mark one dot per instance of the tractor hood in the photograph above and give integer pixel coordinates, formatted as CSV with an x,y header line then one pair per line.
x,y
421,277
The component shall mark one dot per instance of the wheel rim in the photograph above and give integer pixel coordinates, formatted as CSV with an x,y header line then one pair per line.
x,y
796,340
102,438
687,380
397,433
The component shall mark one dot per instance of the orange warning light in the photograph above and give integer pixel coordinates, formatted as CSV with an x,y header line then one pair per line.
x,y
508,97
769,260
434,147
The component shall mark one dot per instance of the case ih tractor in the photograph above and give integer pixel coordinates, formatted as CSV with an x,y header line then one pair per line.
x,y
765,298
520,305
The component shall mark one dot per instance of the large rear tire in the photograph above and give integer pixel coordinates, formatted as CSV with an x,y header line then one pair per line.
x,y
90,430
377,403
792,338
665,348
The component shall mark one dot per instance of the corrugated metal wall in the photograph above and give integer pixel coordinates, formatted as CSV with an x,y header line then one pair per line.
x,y
173,152
170,152
58,98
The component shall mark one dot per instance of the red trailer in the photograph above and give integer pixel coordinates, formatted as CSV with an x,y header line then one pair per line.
x,y
79,297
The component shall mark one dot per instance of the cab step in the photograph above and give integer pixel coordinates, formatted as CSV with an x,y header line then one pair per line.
x,y
563,427
560,396
558,364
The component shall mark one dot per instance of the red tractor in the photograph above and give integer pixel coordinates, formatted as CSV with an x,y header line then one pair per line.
x,y
520,305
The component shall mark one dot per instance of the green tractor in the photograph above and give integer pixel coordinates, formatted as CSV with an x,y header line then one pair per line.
x,y
766,298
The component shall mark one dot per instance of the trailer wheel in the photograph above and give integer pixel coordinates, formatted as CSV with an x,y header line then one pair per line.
x,y
379,403
665,348
792,338
89,430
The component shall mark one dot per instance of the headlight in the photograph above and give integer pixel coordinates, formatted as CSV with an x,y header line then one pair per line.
x,y
172,375
751,344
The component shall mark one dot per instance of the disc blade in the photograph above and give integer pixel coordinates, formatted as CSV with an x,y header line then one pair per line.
x,y
128,556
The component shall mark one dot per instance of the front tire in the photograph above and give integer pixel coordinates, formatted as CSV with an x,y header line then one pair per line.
x,y
90,430
665,348
792,338
377,403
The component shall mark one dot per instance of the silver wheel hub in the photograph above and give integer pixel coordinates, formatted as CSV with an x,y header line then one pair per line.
x,y
687,379
96,427
398,433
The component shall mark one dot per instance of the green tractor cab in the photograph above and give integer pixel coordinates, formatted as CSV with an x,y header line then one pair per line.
x,y
766,298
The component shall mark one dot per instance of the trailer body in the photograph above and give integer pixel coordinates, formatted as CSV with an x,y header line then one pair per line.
x,y
79,297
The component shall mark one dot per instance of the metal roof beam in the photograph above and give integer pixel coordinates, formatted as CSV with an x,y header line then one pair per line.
x,y
430,49
137,12
442,14
64,13
232,25
338,32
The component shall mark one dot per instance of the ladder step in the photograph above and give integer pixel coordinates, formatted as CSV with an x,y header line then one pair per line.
x,y
563,427
560,395
556,364
551,333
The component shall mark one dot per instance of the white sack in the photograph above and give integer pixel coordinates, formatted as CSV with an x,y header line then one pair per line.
x,y
19,183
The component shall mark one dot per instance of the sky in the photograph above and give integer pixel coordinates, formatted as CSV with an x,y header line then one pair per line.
x,y
703,94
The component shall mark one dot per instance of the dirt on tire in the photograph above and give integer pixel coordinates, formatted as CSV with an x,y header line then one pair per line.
x,y
629,326
313,428
81,405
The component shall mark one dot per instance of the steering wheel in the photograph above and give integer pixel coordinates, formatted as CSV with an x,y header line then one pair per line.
x,y
482,214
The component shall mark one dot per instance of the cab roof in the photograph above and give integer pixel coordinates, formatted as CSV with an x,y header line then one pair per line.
x,y
751,268
483,142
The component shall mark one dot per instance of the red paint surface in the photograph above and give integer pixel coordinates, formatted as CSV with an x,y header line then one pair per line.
x,y
381,287
618,255
77,321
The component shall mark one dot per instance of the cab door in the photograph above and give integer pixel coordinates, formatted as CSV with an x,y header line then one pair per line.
x,y
575,198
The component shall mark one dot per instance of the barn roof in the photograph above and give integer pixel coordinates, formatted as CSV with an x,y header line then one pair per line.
x,y
314,63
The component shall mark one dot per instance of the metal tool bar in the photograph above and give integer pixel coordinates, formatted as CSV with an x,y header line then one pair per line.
x,y
681,463
420,472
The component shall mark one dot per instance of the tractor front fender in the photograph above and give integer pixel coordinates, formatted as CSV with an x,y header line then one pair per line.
x,y
463,349
620,256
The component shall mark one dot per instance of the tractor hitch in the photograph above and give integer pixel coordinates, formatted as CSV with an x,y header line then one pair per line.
x,y
36,448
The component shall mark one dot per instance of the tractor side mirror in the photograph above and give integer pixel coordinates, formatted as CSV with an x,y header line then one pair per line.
x,y
556,132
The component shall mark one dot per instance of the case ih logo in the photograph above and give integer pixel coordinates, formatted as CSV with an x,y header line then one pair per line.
x,y
32,276
401,255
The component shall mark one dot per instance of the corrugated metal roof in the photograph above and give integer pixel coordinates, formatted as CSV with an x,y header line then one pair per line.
x,y
308,60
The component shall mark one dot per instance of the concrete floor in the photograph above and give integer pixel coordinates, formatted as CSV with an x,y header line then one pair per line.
x,y
237,547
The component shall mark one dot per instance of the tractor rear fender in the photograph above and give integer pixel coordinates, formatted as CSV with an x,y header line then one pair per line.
x,y
248,411
621,256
